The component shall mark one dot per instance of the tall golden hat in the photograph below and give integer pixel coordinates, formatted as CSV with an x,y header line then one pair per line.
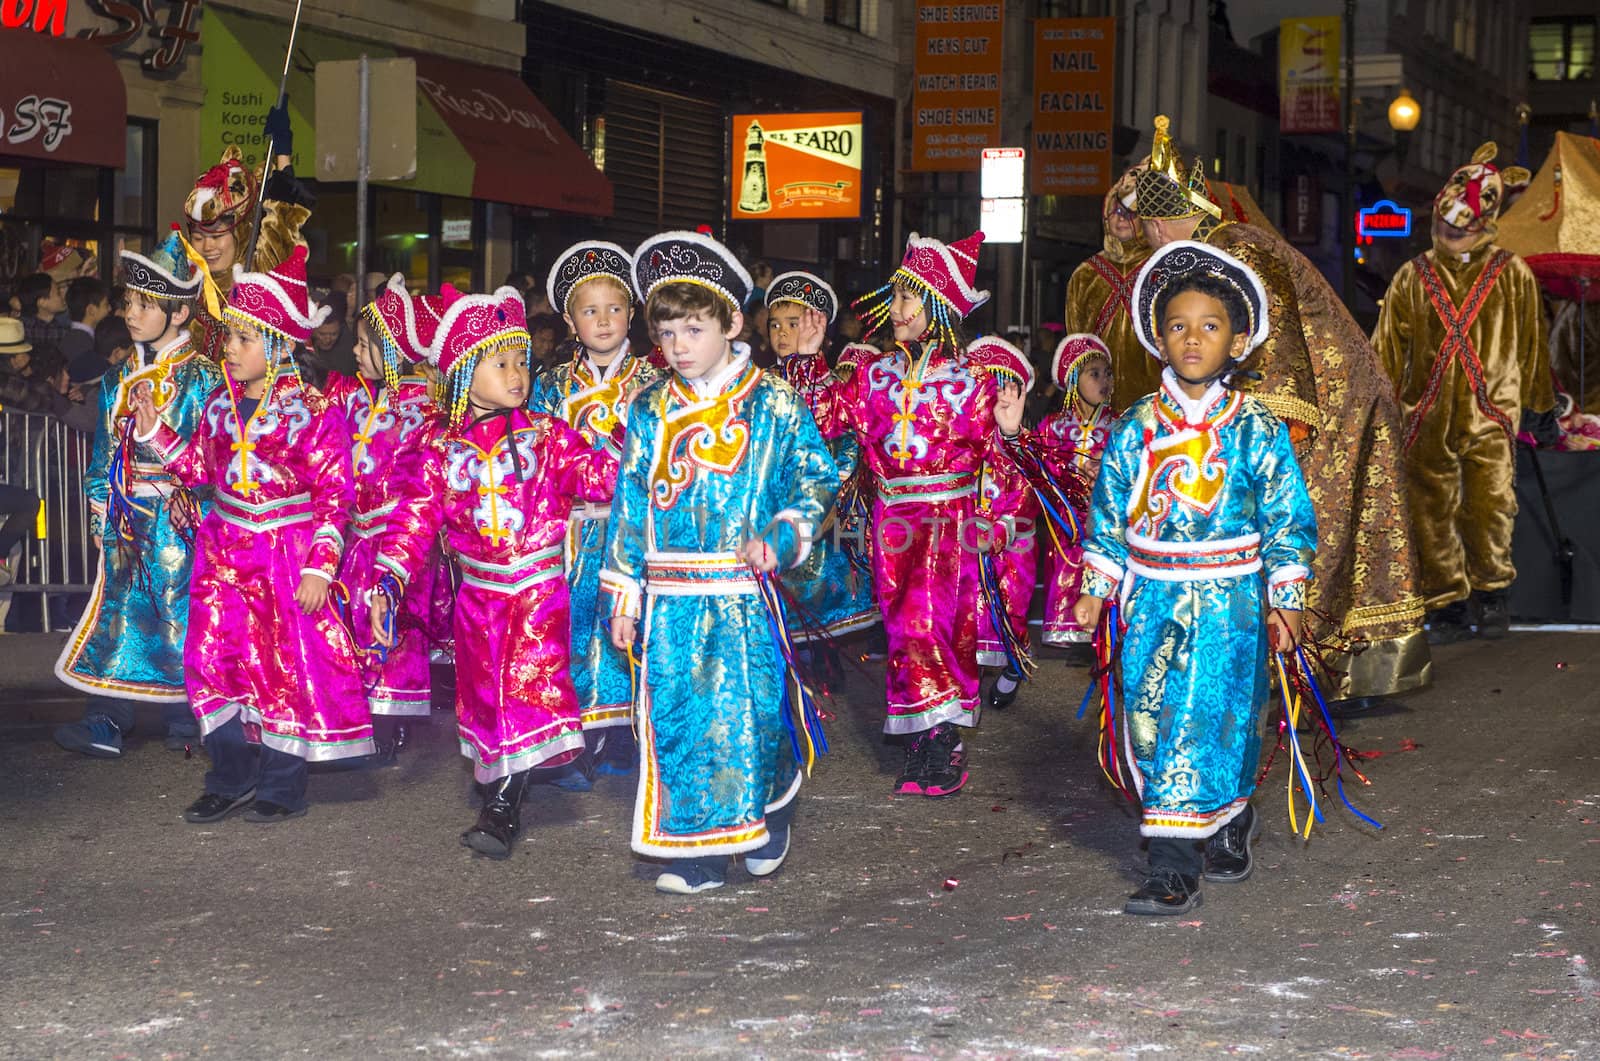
x,y
1164,191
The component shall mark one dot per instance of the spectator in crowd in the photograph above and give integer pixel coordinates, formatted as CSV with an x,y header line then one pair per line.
x,y
88,303
44,305
332,347
546,330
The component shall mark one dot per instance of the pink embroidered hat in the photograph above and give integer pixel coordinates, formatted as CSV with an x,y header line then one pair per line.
x,y
949,270
423,323
473,324
1072,353
276,301
1002,360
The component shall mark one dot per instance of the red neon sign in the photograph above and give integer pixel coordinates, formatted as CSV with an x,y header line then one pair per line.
x,y
47,16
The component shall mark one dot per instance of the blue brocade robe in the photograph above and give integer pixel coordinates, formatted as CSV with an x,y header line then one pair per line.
x,y
129,642
1200,515
591,400
706,469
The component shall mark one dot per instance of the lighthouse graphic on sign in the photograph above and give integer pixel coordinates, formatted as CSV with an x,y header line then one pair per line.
x,y
753,196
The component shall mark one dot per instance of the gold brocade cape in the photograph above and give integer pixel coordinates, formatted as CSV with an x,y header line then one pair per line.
x,y
1322,377
1094,307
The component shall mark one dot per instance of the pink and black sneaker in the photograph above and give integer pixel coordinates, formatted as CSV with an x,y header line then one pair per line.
x,y
946,761
910,783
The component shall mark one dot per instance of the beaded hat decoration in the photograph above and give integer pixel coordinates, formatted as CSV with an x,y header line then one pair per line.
x,y
583,262
275,301
1183,258
943,273
690,258
1001,360
1074,352
387,317
470,327
805,289
1473,195
167,274
1163,191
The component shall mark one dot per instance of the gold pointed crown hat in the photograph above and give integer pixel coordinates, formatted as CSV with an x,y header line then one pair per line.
x,y
1164,190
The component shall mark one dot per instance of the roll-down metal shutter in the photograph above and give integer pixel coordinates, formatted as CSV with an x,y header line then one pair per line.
x,y
664,158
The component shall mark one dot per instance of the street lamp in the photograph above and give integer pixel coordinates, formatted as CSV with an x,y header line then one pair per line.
x,y
1404,114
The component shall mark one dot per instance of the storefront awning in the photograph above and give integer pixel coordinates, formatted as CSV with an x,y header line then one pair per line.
x,y
63,101
481,132
520,153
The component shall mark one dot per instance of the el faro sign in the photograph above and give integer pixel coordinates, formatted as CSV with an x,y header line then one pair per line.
x,y
789,167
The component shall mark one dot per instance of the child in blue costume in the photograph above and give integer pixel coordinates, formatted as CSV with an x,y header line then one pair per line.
x,y
591,286
128,647
724,478
1201,527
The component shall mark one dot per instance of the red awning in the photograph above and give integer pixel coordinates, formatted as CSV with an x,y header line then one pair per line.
x,y
62,100
520,152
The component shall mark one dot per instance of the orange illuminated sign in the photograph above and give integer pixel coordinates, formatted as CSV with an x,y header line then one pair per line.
x,y
1074,80
796,166
955,105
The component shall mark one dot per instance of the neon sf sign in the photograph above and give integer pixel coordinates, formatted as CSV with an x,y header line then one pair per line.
x,y
132,19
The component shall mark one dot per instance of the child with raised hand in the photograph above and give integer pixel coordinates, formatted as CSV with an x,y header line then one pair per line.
x,y
1008,515
271,672
128,647
500,482
927,420
1201,527
387,404
591,286
836,597
1072,440
724,479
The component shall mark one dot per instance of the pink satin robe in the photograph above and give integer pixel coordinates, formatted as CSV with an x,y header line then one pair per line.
x,y
925,431
384,433
278,512
504,518
1072,445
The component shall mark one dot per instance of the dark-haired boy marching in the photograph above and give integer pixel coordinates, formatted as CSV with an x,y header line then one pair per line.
x,y
1201,527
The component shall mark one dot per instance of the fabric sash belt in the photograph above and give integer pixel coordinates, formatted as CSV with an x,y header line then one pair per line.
x,y
1193,561
914,489
264,516
514,575
698,574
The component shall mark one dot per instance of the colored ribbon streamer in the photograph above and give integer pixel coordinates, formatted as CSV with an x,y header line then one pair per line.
x,y
1297,760
1014,645
1109,750
1338,748
800,716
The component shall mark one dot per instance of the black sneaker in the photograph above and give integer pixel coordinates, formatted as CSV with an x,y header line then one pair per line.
x,y
268,813
213,808
946,769
910,783
1163,893
1493,609
1449,624
1228,858
96,736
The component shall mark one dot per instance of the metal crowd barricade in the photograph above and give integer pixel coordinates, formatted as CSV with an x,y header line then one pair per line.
x,y
44,455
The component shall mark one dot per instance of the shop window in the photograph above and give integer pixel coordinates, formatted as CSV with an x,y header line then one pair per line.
x,y
846,13
429,239
1561,49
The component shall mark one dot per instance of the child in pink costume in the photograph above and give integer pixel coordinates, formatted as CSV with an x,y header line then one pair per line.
x,y
271,672
388,405
1009,516
1072,440
500,481
926,422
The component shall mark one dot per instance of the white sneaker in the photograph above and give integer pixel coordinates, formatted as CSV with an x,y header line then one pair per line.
x,y
766,867
677,884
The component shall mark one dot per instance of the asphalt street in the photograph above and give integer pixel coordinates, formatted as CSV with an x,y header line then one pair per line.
x,y
986,925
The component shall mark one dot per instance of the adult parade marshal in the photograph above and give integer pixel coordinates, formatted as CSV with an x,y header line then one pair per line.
x,y
1322,377
1101,290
